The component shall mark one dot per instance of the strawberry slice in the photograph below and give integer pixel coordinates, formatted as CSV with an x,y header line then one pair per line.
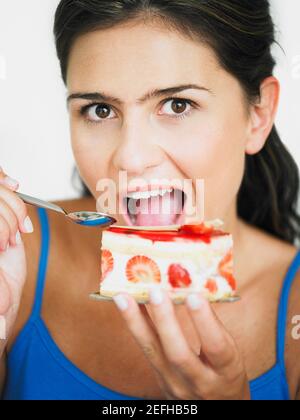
x,y
211,285
226,270
142,269
107,263
179,276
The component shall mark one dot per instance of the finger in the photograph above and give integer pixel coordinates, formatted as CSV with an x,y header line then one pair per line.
x,y
9,182
18,207
174,343
141,330
4,234
217,345
11,219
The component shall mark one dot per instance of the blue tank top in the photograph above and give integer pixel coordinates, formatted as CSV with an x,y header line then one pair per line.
x,y
37,369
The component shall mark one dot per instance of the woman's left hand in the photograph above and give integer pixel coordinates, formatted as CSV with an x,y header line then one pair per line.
x,y
217,373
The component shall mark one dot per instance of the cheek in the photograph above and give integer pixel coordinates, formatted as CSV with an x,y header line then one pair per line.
x,y
206,145
90,154
213,150
223,161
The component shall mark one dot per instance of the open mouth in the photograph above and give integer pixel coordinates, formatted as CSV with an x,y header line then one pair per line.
x,y
156,207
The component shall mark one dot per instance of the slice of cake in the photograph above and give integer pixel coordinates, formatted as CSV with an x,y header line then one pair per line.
x,y
192,258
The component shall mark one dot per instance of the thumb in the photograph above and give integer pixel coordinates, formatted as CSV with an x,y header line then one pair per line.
x,y
5,295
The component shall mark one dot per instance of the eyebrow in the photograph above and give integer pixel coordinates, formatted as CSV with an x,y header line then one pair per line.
x,y
99,96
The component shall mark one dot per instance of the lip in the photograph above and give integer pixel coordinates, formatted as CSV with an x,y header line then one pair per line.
x,y
143,188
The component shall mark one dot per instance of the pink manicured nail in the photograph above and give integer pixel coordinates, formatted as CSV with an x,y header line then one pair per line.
x,y
194,302
2,328
10,182
18,238
28,225
121,302
156,296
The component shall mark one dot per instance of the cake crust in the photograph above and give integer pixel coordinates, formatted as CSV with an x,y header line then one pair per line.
x,y
176,297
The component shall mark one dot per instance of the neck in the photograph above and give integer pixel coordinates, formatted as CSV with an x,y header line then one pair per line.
x,y
241,233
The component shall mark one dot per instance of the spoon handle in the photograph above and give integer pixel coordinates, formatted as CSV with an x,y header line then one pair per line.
x,y
40,203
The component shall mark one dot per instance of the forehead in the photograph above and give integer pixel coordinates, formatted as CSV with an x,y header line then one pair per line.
x,y
139,55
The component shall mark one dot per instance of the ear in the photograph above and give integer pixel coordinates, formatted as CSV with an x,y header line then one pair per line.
x,y
262,115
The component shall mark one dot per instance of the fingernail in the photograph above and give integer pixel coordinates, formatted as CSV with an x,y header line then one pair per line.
x,y
121,302
10,182
18,238
156,296
194,302
28,225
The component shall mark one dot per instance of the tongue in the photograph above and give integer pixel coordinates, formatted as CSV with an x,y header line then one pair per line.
x,y
159,210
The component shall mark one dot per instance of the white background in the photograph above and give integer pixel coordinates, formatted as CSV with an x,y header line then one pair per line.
x,y
34,132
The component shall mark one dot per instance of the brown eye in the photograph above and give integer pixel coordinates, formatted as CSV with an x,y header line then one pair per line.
x,y
178,106
102,111
99,112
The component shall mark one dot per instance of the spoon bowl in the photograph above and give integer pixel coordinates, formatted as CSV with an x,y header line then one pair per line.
x,y
89,218
84,218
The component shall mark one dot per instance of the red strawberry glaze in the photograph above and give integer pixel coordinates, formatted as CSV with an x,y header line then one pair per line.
x,y
189,232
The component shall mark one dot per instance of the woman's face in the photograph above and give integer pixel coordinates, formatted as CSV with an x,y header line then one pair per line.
x,y
124,117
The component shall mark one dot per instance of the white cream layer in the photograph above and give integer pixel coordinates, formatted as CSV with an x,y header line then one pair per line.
x,y
200,259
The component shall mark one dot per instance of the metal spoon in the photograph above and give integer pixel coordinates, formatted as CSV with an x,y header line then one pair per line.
x,y
85,218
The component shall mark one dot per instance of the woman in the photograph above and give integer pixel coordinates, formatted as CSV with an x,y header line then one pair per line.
x,y
160,89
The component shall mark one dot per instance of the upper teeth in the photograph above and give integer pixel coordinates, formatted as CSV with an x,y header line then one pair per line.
x,y
137,195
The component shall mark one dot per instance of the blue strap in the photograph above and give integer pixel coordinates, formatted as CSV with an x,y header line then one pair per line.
x,y
41,278
283,309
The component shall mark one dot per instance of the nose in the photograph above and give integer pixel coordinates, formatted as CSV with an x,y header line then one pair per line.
x,y
137,149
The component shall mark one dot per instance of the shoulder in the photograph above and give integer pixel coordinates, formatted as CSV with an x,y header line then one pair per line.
x,y
293,335
279,256
62,243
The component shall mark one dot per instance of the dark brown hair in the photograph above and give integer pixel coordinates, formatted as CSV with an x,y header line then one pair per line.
x,y
241,32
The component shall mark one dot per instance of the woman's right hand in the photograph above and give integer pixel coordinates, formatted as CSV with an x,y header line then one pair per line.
x,y
14,220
